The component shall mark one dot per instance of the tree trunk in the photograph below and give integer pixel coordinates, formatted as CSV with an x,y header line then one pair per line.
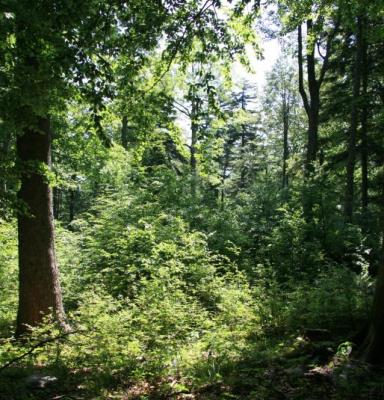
x,y
311,104
242,145
373,347
193,162
312,139
39,287
124,132
285,143
364,159
242,156
72,201
314,105
4,148
226,161
351,161
364,129
311,100
192,147
56,202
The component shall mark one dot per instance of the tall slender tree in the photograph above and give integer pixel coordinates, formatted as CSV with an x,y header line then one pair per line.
x,y
354,124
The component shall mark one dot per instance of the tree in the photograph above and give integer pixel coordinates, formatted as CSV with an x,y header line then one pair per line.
x,y
39,286
351,159
322,24
281,107
195,106
373,347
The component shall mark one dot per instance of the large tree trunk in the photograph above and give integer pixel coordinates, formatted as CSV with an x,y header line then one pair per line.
x,y
373,348
311,103
39,287
312,106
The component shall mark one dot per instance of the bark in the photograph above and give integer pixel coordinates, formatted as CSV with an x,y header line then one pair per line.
x,y
373,348
39,287
311,102
351,160
311,106
314,107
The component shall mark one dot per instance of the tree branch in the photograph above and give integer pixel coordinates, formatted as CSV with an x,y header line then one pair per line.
x,y
180,107
42,343
302,91
179,42
328,48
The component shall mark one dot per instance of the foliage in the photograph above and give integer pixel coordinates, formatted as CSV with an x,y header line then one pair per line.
x,y
8,276
190,262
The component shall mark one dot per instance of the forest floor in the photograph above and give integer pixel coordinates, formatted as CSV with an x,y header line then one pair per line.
x,y
296,369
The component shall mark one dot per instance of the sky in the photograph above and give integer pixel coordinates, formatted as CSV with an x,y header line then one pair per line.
x,y
261,67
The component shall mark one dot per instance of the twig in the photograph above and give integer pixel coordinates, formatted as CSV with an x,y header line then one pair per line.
x,y
179,43
42,343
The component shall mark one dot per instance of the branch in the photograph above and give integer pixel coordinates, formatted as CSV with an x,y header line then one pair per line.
x,y
311,67
178,44
328,47
180,107
302,91
319,51
42,343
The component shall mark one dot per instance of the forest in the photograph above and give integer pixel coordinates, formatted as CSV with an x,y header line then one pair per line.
x,y
191,199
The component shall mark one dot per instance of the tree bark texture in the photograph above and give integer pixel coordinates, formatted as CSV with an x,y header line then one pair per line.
x,y
39,287
373,348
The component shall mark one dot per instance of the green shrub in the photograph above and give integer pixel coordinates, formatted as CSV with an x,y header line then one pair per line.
x,y
8,276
